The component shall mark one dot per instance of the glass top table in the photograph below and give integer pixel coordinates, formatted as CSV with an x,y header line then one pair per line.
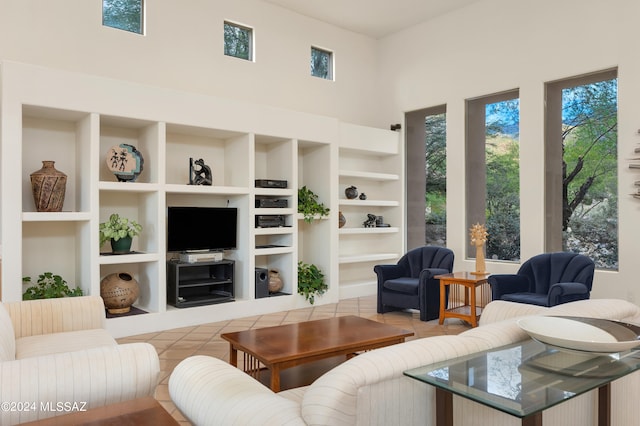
x,y
525,378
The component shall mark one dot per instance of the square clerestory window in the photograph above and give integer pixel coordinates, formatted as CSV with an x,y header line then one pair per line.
x,y
238,41
124,15
321,63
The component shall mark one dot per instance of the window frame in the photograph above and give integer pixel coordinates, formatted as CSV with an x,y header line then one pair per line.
x,y
331,66
252,33
143,8
416,176
553,152
476,163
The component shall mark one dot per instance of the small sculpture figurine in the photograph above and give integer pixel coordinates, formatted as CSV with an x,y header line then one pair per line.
x,y
479,234
370,222
201,176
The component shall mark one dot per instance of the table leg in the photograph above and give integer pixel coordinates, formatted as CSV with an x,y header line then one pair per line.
x,y
443,302
604,405
533,420
472,307
233,355
275,378
444,408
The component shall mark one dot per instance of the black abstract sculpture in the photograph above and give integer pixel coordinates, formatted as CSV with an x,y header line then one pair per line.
x,y
370,222
199,173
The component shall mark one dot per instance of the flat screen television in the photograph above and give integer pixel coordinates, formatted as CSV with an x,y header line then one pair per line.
x,y
201,228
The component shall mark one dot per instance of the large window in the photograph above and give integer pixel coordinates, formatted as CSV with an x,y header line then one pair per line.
x,y
426,166
321,63
238,41
581,167
123,14
493,172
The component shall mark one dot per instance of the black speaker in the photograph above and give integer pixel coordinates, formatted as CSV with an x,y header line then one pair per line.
x,y
262,283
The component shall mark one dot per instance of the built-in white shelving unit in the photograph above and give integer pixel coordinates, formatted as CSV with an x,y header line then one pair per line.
x,y
74,119
372,161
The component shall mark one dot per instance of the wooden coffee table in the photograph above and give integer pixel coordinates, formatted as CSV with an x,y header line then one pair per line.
x,y
285,346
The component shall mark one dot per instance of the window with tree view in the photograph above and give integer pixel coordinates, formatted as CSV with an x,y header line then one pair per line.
x,y
123,14
581,157
493,172
436,179
321,63
238,41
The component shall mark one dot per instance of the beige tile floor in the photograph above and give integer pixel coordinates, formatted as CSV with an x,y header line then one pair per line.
x,y
177,344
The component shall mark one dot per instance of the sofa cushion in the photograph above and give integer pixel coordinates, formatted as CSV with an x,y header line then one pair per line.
x,y
57,315
7,337
403,285
32,346
295,394
614,309
499,310
530,298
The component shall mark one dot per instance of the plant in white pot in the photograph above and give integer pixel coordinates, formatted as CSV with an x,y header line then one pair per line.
x,y
120,231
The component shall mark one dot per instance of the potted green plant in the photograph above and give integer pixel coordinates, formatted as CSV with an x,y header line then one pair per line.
x,y
120,231
309,206
310,281
49,286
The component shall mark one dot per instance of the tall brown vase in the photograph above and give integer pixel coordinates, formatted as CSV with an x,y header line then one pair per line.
x,y
48,186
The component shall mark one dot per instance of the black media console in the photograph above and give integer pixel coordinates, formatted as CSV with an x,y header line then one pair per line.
x,y
200,283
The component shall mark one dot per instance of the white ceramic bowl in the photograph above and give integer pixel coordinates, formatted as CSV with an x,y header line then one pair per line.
x,y
582,334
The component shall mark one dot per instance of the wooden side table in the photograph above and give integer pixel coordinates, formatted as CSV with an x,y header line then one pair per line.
x,y
467,310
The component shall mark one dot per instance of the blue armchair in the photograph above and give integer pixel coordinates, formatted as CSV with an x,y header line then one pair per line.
x,y
410,284
547,279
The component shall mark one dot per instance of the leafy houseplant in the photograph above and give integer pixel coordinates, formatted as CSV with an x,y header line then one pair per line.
x,y
119,228
308,205
310,281
49,286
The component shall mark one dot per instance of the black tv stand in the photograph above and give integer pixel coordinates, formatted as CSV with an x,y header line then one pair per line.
x,y
200,283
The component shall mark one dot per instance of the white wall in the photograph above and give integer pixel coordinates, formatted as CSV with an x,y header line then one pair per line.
x,y
183,49
498,45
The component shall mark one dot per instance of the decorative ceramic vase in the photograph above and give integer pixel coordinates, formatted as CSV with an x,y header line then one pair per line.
x,y
125,161
341,220
275,282
119,291
351,192
122,246
48,186
363,196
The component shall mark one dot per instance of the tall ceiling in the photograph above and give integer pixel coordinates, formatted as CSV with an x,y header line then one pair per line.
x,y
374,18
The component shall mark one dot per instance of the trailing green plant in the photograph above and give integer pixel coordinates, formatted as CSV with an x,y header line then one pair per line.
x,y
309,206
49,286
118,227
310,281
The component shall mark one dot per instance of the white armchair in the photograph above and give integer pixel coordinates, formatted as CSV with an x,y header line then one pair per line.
x,y
57,351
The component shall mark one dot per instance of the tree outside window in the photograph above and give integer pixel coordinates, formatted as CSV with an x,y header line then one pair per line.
x,y
581,142
436,179
321,63
123,14
238,41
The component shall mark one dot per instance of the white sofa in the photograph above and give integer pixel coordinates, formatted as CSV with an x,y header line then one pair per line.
x,y
370,389
56,356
